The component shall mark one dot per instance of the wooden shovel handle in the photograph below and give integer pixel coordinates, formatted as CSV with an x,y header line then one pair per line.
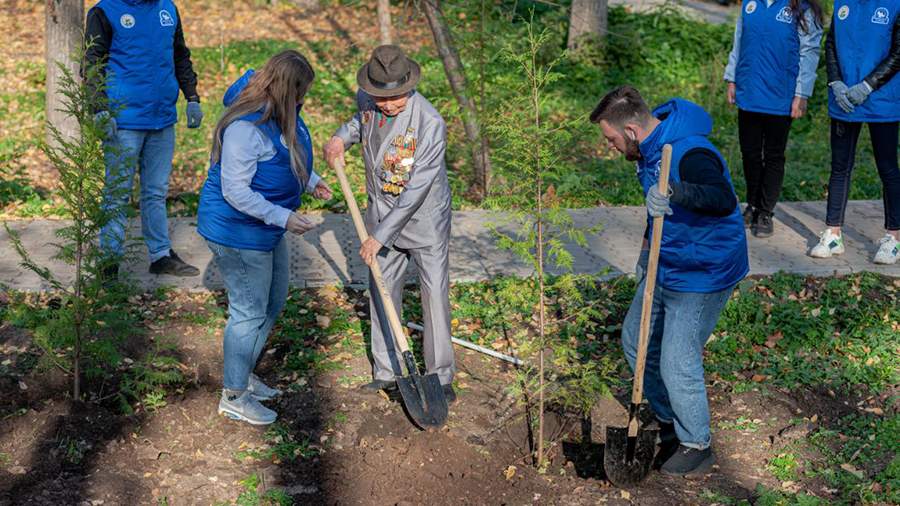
x,y
637,391
387,301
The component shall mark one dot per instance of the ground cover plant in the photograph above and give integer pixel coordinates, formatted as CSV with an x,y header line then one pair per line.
x,y
803,391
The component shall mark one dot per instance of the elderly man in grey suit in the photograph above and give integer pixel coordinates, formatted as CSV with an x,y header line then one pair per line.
x,y
408,212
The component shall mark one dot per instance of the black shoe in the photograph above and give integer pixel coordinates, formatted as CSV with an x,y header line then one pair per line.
x,y
449,393
374,386
174,266
109,275
749,216
765,227
689,462
668,444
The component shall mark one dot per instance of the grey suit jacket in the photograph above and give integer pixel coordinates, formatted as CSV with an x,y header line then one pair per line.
x,y
420,215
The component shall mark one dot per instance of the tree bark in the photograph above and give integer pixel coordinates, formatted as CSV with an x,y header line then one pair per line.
x,y
587,22
384,22
456,76
64,22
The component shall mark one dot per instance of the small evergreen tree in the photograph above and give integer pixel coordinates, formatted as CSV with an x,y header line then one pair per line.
x,y
79,159
529,145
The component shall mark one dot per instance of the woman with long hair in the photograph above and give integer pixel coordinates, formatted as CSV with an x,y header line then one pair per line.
x,y
771,73
261,163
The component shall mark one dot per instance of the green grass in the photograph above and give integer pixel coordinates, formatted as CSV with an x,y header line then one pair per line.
x,y
281,446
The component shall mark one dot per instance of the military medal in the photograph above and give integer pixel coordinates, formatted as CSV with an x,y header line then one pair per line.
x,y
398,163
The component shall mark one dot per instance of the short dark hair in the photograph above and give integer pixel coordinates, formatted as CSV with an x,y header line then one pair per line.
x,y
620,106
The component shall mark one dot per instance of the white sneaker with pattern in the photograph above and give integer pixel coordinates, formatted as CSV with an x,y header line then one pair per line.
x,y
830,244
888,251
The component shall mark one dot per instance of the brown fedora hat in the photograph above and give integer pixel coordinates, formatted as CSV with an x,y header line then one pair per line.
x,y
388,73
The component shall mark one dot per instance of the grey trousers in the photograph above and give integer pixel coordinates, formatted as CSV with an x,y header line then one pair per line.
x,y
432,263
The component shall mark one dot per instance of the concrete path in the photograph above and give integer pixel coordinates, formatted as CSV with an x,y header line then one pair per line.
x,y
328,254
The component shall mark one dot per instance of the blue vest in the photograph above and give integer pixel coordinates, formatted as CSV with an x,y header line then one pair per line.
x,y
221,223
769,60
862,31
699,254
141,81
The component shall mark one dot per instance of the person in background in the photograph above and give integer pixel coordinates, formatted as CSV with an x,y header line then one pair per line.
x,y
261,163
771,73
862,55
703,257
139,45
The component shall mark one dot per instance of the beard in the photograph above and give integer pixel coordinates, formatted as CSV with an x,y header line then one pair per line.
x,y
632,150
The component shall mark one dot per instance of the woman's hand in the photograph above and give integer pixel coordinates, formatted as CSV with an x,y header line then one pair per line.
x,y
334,151
798,107
299,224
732,91
322,191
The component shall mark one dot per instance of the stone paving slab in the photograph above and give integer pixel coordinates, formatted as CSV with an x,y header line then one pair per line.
x,y
328,254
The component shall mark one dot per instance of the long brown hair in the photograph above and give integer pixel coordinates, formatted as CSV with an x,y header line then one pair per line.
x,y
797,6
276,89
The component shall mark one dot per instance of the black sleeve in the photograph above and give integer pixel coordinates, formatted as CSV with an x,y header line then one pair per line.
x,y
887,69
184,68
703,189
98,38
831,59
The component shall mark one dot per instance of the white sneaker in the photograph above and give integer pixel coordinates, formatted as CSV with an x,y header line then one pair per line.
x,y
889,251
247,409
260,391
830,244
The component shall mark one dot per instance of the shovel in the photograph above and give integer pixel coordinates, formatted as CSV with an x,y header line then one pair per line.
x,y
422,395
629,451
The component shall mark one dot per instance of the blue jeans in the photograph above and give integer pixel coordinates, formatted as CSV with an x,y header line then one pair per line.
x,y
153,150
257,286
680,325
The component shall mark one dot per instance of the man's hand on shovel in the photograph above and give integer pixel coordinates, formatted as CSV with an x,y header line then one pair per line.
x,y
334,151
370,250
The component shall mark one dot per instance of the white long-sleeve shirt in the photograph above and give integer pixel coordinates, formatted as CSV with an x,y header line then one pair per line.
x,y
243,146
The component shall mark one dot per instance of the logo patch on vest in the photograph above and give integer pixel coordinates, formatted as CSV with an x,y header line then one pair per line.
x,y
165,19
127,21
843,12
881,17
283,141
751,7
786,15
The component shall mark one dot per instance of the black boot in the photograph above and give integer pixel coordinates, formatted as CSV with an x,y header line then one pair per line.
x,y
174,266
449,394
689,462
765,227
374,386
109,274
749,216
668,444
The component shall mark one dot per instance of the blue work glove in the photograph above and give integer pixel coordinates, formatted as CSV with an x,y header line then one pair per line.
x,y
657,203
858,93
841,96
640,268
104,120
194,114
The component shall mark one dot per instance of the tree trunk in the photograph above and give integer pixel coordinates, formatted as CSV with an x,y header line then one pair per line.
x,y
64,20
384,22
587,22
456,76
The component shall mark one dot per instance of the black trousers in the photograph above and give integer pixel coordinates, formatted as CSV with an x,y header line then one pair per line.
x,y
844,137
763,141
